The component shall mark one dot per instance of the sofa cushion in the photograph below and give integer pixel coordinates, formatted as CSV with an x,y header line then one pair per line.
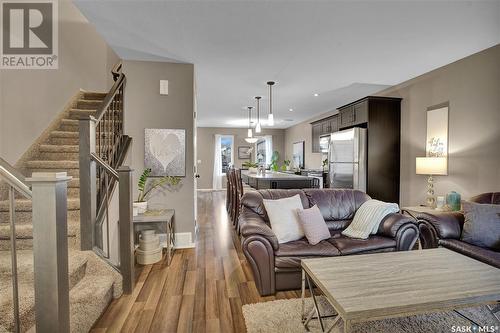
x,y
336,204
482,225
313,224
348,245
285,222
337,225
302,247
254,200
484,255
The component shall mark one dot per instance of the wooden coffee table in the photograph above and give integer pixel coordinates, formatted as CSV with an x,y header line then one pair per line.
x,y
397,284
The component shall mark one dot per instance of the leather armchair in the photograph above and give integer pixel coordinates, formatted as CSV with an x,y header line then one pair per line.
x,y
277,266
445,229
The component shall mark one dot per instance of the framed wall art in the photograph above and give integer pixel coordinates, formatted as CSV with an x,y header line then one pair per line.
x,y
165,151
437,131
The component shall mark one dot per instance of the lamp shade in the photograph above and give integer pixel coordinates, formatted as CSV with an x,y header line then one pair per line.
x,y
431,166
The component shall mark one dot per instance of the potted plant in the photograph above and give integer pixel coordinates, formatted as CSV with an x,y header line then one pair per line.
x,y
286,165
325,164
274,161
145,188
252,167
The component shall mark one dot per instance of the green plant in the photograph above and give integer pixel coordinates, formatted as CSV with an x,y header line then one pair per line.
x,y
274,161
145,190
286,162
249,164
325,162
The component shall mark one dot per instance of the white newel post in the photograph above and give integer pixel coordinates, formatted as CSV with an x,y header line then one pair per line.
x,y
50,251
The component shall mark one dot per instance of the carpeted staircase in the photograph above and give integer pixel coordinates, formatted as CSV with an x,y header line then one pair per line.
x,y
93,282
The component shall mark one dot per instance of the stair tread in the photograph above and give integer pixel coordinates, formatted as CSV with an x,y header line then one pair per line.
x,y
25,204
25,231
51,164
65,134
59,148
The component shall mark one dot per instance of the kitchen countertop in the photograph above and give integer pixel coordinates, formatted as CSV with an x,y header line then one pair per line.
x,y
272,175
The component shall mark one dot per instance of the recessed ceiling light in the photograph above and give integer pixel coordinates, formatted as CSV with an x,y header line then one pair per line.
x,y
316,95
290,109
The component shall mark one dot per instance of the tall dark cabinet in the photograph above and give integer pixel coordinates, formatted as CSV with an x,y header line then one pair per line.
x,y
381,116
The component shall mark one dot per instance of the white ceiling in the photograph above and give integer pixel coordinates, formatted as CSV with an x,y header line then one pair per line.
x,y
343,50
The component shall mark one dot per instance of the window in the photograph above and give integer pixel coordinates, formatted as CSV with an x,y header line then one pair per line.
x,y
264,151
226,150
261,153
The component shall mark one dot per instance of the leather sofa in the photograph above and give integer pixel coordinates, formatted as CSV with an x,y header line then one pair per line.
x,y
277,266
445,229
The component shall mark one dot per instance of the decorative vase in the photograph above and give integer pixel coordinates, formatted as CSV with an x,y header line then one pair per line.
x,y
453,200
141,206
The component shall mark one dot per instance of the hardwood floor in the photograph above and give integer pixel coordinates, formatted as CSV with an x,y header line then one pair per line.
x,y
203,290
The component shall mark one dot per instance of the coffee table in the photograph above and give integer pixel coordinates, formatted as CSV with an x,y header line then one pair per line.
x,y
397,284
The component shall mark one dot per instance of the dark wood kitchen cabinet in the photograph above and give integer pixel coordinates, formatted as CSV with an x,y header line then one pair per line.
x,y
321,128
381,116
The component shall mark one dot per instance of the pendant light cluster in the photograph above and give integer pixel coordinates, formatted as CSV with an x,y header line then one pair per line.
x,y
270,120
250,138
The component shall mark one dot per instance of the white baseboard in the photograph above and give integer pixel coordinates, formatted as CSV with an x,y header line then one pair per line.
x,y
183,240
209,190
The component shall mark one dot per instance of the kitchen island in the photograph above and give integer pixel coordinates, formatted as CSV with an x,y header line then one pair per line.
x,y
275,180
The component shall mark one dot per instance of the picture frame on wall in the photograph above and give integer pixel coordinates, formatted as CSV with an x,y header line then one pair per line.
x,y
437,131
165,152
298,156
244,152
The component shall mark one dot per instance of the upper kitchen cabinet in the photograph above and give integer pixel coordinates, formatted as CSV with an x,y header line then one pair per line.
x,y
321,128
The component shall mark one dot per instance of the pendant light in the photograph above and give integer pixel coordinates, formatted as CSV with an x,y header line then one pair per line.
x,y
270,119
250,138
258,128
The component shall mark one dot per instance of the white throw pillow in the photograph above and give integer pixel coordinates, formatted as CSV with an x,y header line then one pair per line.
x,y
368,218
284,219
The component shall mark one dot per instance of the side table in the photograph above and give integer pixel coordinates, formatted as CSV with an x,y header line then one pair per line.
x,y
160,220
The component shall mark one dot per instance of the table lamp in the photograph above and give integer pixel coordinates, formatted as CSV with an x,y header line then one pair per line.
x,y
431,166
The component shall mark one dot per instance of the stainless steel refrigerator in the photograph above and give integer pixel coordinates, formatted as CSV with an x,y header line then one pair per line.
x,y
347,159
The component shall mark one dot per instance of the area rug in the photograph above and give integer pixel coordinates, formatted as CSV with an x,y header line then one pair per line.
x,y
284,316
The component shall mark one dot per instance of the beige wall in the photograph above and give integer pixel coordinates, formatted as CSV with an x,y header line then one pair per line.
x,y
472,88
146,108
31,99
206,147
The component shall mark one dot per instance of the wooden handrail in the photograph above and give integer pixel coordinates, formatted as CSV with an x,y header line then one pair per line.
x,y
110,96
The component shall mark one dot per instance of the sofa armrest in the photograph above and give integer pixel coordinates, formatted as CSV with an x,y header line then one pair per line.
x,y
251,224
445,224
402,228
260,256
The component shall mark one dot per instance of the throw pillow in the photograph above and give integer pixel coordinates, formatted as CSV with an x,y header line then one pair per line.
x,y
313,224
368,217
482,225
283,217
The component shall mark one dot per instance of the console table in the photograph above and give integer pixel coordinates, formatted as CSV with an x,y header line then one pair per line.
x,y
160,220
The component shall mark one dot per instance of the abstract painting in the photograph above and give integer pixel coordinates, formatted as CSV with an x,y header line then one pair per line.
x,y
244,152
165,152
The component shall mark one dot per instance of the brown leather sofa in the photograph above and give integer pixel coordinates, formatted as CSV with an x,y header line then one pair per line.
x,y
445,229
277,266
